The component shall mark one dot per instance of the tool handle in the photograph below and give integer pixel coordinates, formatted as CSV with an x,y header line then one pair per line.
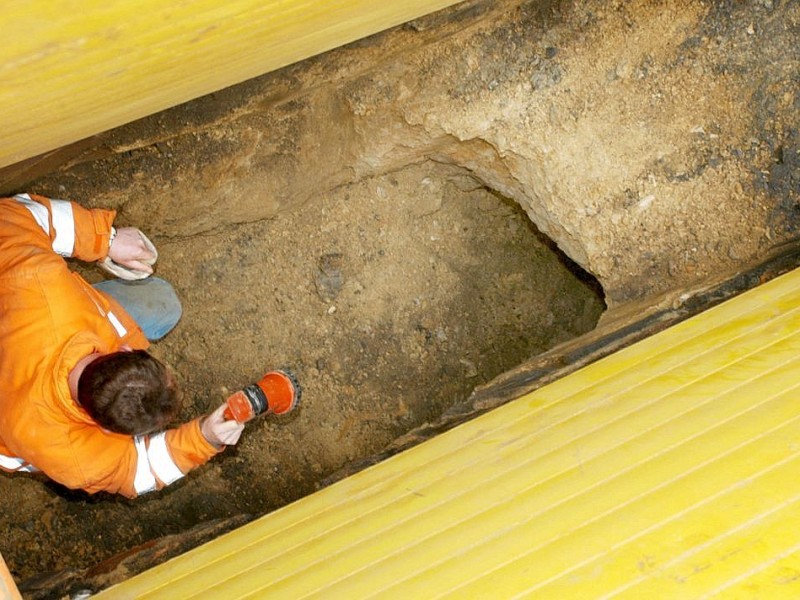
x,y
239,408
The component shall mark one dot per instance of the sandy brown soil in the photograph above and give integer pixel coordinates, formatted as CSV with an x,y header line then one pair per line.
x,y
390,299
404,219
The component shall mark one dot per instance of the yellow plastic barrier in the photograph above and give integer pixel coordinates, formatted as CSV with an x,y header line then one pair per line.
x,y
8,589
73,69
667,470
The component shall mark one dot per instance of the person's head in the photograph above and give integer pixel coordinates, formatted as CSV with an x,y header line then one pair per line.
x,y
129,392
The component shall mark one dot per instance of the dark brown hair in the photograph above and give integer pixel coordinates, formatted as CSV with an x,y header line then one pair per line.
x,y
129,392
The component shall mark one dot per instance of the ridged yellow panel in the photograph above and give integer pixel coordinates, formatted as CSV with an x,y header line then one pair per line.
x,y
8,589
73,68
670,469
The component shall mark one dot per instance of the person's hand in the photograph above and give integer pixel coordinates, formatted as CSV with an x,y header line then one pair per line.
x,y
131,249
218,431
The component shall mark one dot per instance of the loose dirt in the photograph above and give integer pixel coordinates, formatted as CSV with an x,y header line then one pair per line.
x,y
390,299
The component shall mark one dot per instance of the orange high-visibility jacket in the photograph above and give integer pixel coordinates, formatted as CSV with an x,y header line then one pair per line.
x,y
50,318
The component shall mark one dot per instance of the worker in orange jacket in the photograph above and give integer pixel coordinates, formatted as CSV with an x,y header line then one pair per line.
x,y
80,398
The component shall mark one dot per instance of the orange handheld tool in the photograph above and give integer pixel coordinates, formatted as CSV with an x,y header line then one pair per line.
x,y
277,392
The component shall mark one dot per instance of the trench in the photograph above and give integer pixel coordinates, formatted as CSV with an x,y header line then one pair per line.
x,y
304,226
391,298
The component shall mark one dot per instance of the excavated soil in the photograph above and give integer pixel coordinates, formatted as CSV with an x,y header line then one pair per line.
x,y
404,219
390,299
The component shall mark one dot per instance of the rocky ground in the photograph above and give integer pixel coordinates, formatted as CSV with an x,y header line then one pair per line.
x,y
408,217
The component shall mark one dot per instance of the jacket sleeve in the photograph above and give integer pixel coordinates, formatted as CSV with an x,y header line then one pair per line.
x,y
30,222
134,466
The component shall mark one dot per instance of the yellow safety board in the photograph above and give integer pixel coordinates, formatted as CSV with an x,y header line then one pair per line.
x,y
670,469
74,68
8,589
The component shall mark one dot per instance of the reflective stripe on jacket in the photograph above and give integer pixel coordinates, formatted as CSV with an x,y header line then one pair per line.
x,y
50,318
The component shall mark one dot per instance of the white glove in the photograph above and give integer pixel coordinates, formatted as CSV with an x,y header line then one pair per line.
x,y
130,249
218,431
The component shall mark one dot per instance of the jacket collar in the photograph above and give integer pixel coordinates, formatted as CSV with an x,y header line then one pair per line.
x,y
78,346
